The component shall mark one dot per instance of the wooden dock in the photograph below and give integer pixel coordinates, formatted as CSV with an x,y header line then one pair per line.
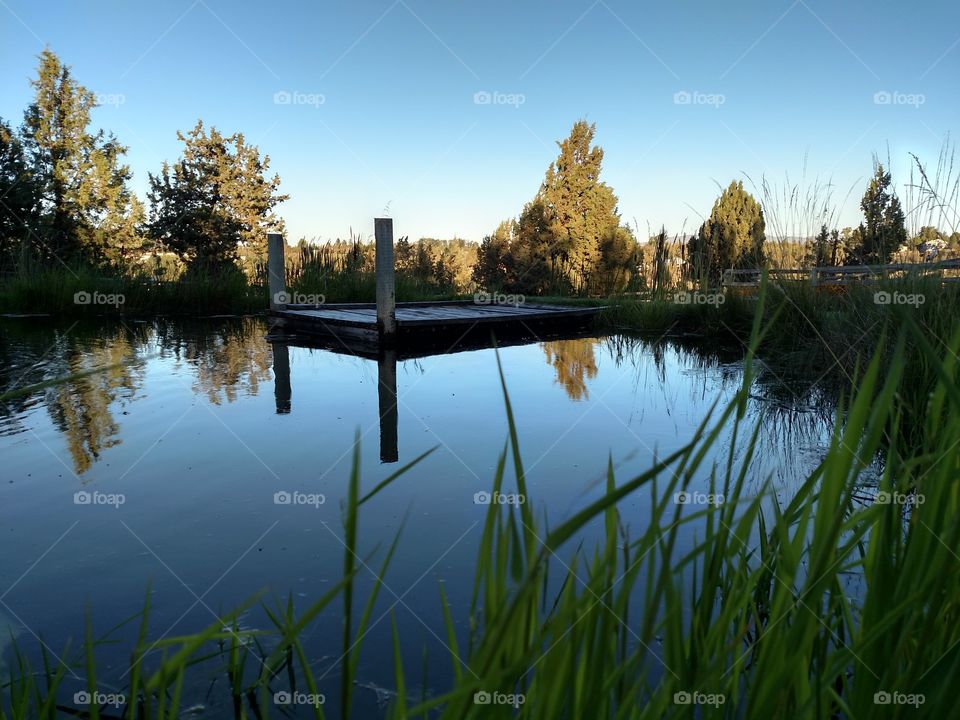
x,y
429,323
369,328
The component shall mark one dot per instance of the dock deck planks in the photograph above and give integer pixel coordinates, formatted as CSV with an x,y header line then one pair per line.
x,y
417,320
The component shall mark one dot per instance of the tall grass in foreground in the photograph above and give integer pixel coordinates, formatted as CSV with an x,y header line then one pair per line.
x,y
753,620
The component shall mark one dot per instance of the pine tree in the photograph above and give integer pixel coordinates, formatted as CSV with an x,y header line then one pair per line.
x,y
213,199
253,195
403,255
617,261
883,230
822,249
732,237
564,231
660,257
493,258
534,256
117,216
19,198
82,182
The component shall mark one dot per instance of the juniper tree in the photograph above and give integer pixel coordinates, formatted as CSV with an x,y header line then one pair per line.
x,y
732,237
564,232
493,258
84,197
19,196
823,248
213,198
883,230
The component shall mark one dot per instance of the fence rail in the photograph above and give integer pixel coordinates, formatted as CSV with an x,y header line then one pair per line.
x,y
946,270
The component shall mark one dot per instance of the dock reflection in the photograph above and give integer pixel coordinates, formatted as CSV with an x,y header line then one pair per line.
x,y
386,392
386,361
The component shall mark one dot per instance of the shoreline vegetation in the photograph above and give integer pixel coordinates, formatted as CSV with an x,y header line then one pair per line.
x,y
198,244
754,620
830,332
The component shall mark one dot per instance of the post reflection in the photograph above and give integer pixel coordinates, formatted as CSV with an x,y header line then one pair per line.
x,y
387,392
386,395
281,377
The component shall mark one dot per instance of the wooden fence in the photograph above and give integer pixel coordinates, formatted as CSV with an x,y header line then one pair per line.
x,y
945,270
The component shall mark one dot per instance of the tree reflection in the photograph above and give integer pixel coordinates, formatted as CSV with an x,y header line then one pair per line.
x,y
234,361
105,364
81,409
574,362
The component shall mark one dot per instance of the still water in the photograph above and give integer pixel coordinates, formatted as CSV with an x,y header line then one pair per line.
x,y
208,465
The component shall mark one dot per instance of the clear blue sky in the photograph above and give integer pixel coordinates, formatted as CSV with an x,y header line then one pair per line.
x,y
398,124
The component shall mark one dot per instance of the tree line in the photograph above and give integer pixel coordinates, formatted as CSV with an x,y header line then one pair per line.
x,y
65,198
569,239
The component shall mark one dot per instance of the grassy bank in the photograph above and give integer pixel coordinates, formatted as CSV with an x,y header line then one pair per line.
x,y
83,291
826,334
755,619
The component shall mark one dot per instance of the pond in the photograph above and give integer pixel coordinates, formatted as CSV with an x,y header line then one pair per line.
x,y
207,464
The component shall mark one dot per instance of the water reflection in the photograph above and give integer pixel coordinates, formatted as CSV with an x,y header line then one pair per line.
x,y
386,395
574,363
227,359
387,400
208,490
107,365
83,410
281,375
230,359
